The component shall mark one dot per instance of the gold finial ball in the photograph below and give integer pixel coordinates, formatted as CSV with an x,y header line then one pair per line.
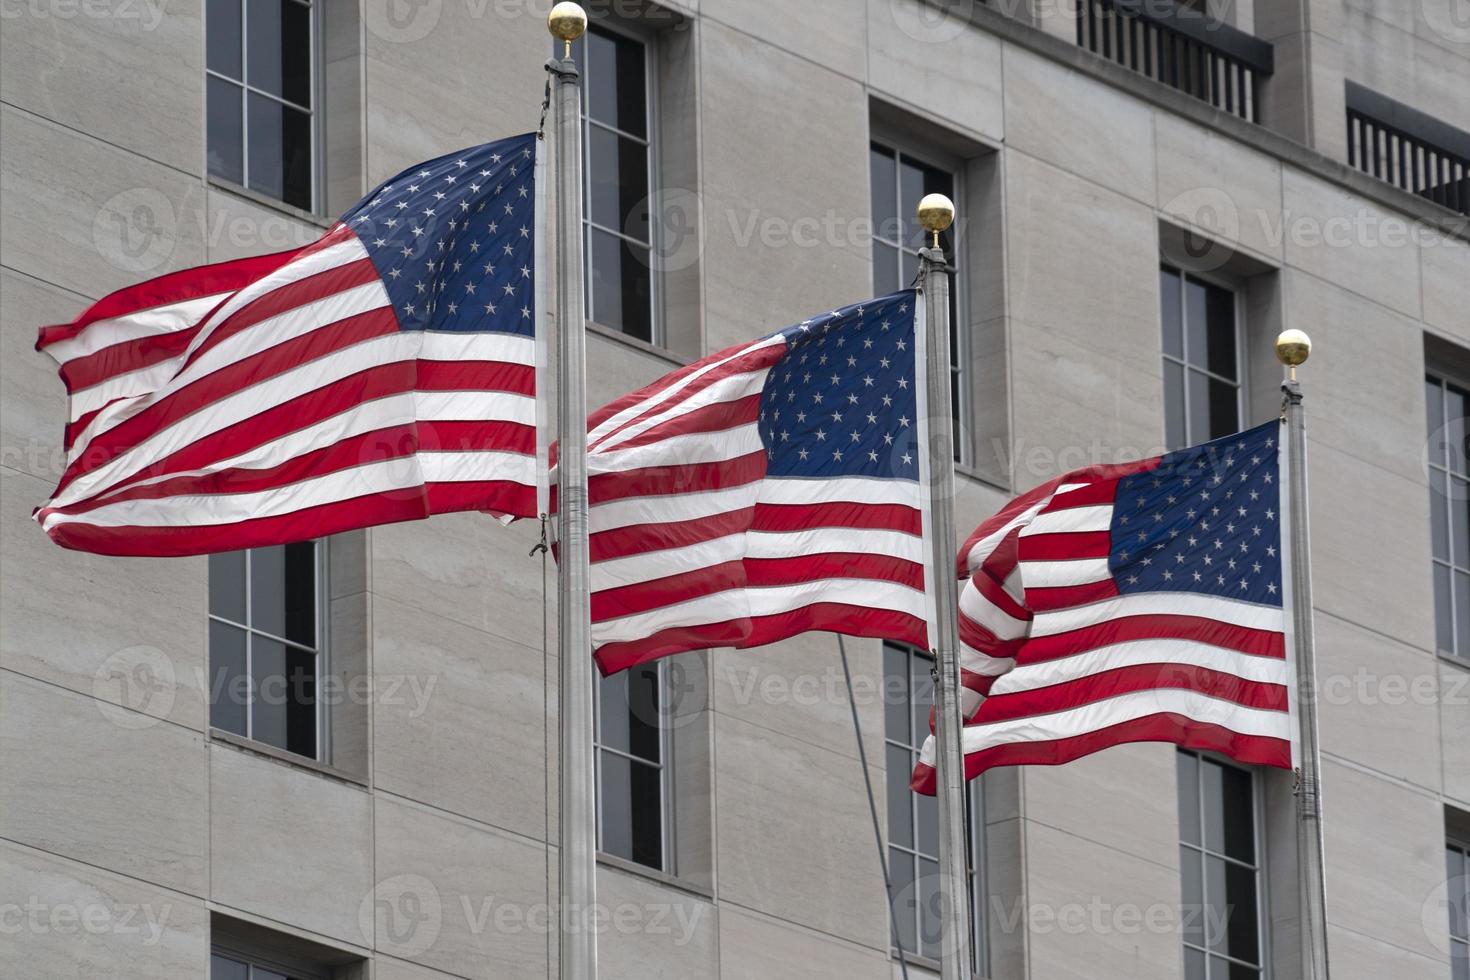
x,y
936,213
568,21
1293,347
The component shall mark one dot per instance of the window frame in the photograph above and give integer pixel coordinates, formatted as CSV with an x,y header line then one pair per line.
x,y
254,961
1258,832
667,864
322,605
959,366
974,821
654,193
1459,844
314,50
1237,294
1445,472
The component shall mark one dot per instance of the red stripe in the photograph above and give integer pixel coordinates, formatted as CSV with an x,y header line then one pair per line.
x,y
982,640
1090,494
626,600
653,481
176,287
1065,546
499,496
803,517
230,379
81,373
1255,750
996,594
286,298
1261,643
752,361
393,442
1125,680
636,539
1068,596
757,631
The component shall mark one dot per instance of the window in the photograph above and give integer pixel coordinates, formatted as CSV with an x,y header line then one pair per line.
x,y
260,73
1457,875
898,182
1449,512
1202,358
632,772
231,966
265,645
617,179
1220,866
913,820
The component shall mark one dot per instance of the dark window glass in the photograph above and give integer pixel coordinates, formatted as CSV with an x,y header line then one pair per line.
x,y
221,968
229,690
616,84
1449,513
913,820
264,644
630,756
280,151
222,37
621,285
226,130
278,40
1201,363
1219,869
897,182
617,183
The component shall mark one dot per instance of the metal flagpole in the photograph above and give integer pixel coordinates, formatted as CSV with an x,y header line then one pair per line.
x,y
936,213
577,858
1292,349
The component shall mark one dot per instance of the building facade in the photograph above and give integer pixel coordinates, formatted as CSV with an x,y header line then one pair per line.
x,y
337,759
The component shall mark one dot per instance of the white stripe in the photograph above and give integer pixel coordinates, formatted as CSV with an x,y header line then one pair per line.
x,y
468,467
1055,574
724,391
404,408
1248,614
211,509
669,508
129,385
740,603
693,447
1098,517
1197,707
649,565
1138,653
659,397
984,613
153,322
849,489
243,404
977,662
455,345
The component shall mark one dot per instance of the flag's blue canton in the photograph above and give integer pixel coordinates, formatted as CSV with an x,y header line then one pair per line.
x,y
843,399
454,239
1207,519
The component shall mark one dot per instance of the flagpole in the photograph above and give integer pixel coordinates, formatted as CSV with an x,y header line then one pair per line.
x,y
936,213
1292,349
578,816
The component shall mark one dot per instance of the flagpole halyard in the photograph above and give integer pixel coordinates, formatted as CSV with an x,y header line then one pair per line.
x,y
1293,348
935,214
577,829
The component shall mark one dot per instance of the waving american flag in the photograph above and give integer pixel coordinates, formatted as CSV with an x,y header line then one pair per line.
x,y
1131,603
769,489
383,373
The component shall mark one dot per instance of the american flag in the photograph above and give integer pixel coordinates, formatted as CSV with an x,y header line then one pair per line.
x,y
1131,603
769,489
383,373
